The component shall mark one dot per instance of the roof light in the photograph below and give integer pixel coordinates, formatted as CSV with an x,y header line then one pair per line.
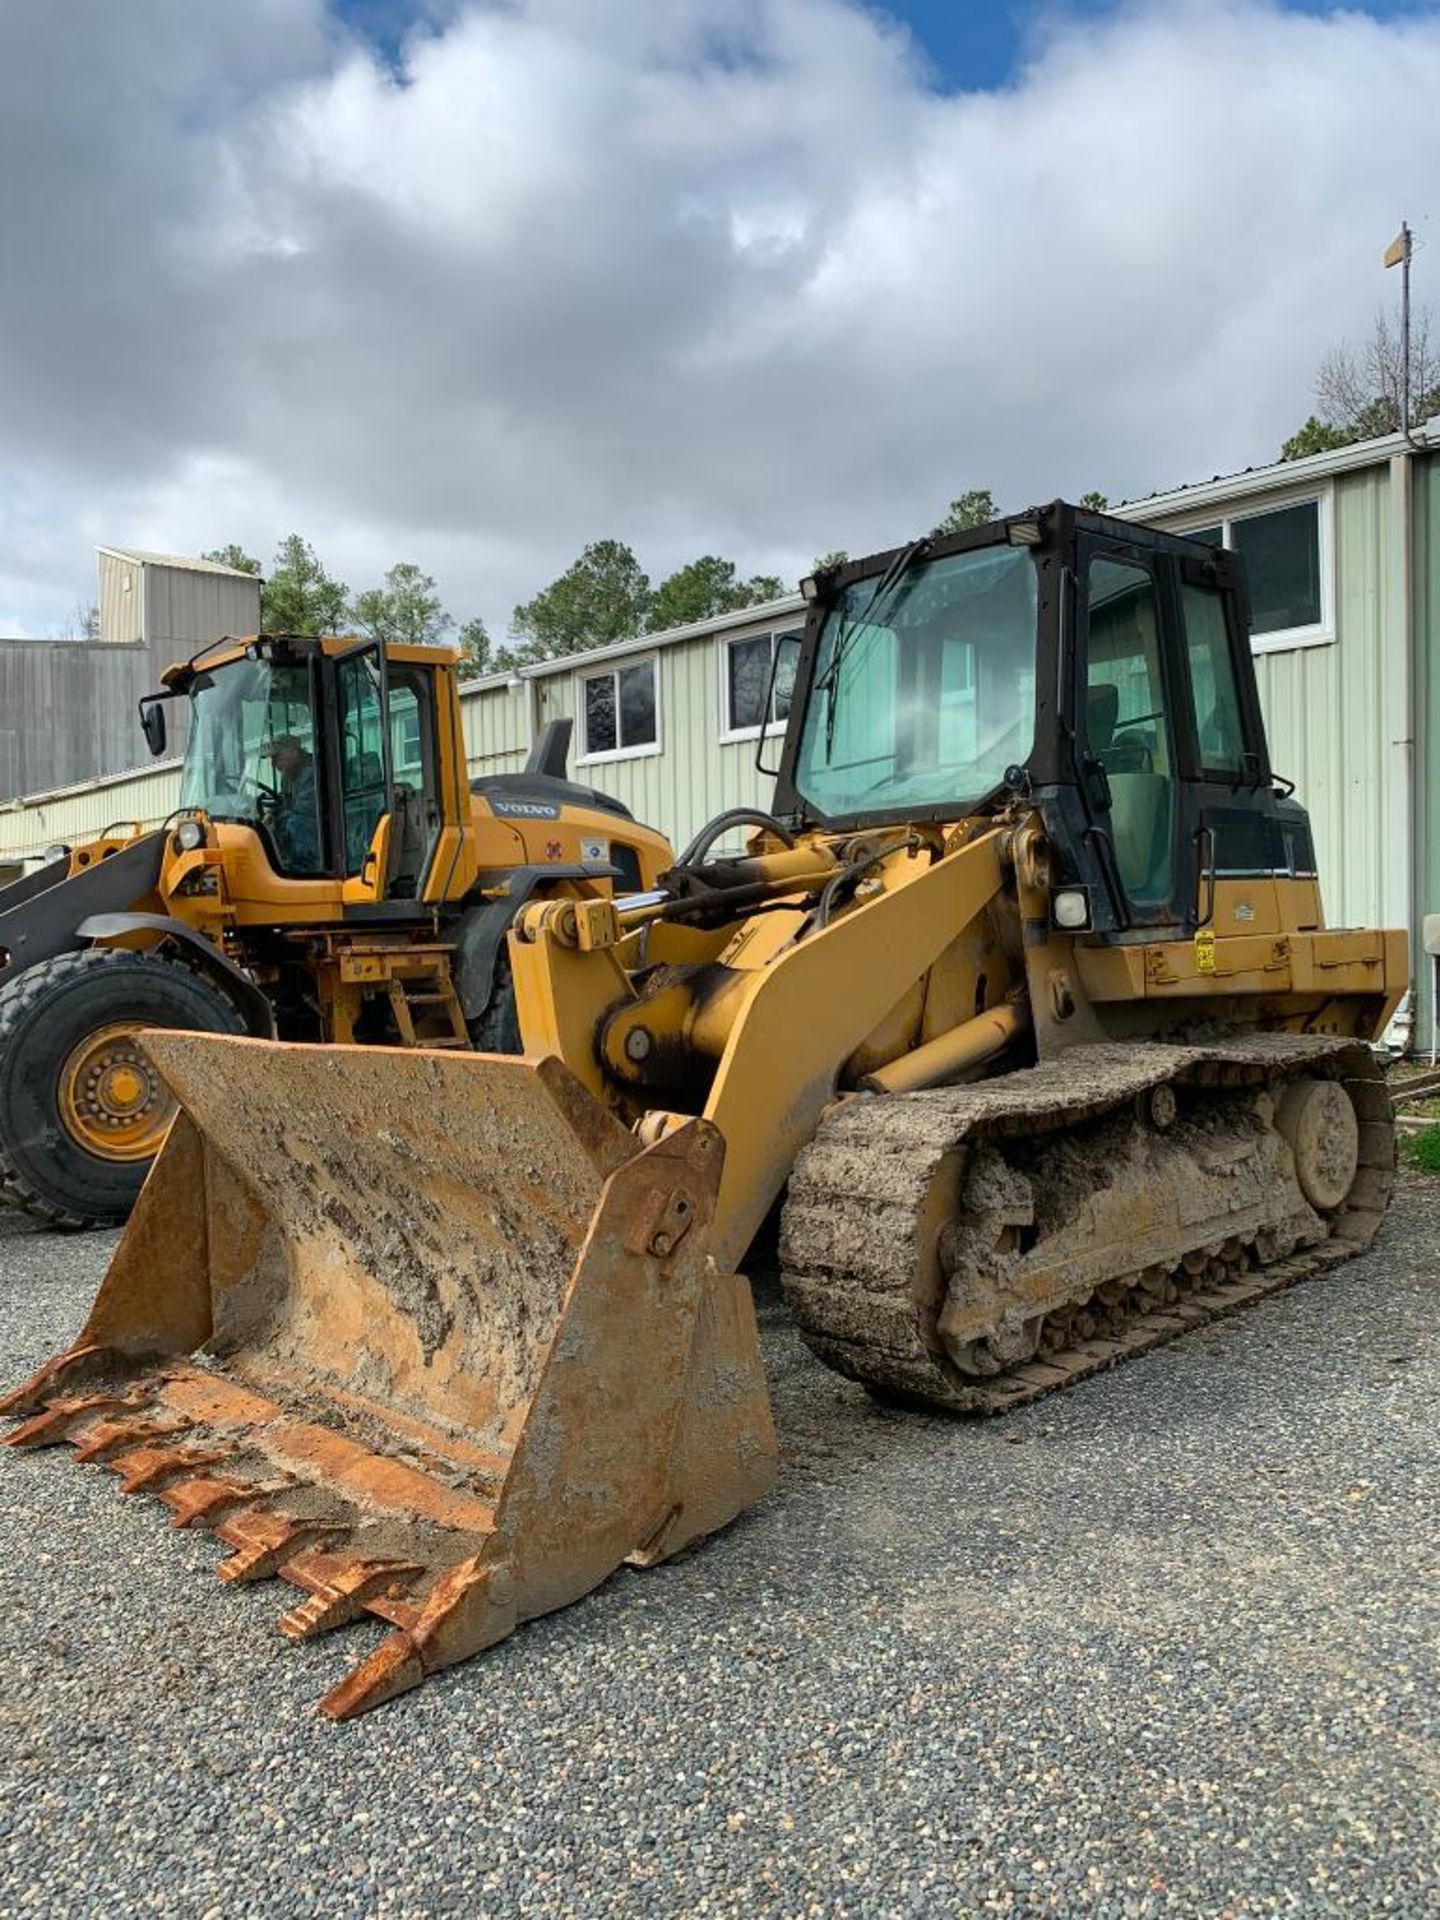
x,y
1023,533
810,588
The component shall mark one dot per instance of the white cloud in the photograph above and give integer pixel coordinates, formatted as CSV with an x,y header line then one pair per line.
x,y
717,274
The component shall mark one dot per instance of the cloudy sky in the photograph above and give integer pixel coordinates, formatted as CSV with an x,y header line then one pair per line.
x,y
471,282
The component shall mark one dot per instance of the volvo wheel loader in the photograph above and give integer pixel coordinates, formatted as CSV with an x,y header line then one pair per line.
x,y
1020,1008
332,874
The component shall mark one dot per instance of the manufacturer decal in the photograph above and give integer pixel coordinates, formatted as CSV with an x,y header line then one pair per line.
x,y
525,809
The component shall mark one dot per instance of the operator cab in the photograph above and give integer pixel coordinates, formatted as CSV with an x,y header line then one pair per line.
x,y
316,745
1099,670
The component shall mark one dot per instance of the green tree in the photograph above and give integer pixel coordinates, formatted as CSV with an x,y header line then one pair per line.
x,y
300,596
1094,502
705,587
972,509
233,556
823,562
1360,390
603,596
406,611
477,655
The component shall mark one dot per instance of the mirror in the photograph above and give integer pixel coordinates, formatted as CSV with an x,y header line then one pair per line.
x,y
152,725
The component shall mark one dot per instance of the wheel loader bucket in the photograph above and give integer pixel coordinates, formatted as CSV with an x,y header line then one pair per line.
x,y
428,1336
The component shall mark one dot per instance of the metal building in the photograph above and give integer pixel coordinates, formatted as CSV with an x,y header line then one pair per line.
x,y
67,707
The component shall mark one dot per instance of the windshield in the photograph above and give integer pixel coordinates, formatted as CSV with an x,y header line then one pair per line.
x,y
924,691
251,757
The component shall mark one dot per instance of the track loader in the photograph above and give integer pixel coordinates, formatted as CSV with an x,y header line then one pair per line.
x,y
331,874
1020,1008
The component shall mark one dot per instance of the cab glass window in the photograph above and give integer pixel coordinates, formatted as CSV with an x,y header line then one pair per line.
x,y
1128,723
362,753
1212,678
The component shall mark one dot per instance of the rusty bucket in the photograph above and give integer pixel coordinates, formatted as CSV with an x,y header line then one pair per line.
x,y
429,1336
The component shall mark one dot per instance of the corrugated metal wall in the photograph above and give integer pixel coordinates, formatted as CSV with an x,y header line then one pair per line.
x,y
67,707
200,607
68,710
696,775
1426,613
67,819
497,727
1325,711
121,601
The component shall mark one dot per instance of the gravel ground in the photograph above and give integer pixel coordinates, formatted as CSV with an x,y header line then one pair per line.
x,y
1167,1644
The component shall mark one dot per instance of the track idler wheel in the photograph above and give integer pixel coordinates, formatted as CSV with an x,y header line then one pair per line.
x,y
1317,1120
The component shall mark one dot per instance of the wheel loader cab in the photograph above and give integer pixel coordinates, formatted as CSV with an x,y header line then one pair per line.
x,y
1101,669
331,754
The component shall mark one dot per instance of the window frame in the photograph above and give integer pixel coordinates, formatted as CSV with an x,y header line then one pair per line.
x,y
730,734
612,670
1319,633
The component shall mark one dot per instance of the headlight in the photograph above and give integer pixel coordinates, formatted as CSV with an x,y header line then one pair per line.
x,y
189,835
1072,909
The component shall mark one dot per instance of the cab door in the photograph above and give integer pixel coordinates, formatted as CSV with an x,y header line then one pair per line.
x,y
364,776
1230,816
1130,696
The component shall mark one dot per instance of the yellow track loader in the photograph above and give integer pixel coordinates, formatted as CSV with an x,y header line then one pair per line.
x,y
1020,1006
331,874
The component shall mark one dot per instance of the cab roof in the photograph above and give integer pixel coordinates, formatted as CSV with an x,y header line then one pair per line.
x,y
292,646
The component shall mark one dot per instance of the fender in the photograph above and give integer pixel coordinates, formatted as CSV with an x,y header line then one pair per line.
x,y
200,953
39,915
480,931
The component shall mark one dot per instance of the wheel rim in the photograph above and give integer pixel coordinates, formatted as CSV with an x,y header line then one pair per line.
x,y
112,1101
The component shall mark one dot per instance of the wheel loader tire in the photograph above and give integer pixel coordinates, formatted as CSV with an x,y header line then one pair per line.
x,y
82,1113
496,1029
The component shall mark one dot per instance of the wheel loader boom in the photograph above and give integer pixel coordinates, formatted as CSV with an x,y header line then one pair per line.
x,y
1020,1005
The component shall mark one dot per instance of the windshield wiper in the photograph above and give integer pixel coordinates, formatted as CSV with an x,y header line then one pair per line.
x,y
883,588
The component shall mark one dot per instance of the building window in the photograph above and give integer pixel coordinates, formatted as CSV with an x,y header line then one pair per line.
x,y
620,711
746,678
1286,550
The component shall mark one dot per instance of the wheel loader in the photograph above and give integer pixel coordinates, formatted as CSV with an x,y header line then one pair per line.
x,y
331,874
1019,1011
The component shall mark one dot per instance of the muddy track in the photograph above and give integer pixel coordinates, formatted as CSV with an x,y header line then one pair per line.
x,y
867,1268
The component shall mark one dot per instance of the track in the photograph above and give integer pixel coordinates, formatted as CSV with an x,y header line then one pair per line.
x,y
1047,1225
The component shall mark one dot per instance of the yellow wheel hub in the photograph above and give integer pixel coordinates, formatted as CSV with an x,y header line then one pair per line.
x,y
112,1101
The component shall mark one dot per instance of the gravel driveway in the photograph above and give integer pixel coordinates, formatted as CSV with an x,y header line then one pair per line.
x,y
1167,1644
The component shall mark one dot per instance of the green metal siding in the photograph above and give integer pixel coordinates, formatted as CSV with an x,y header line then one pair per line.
x,y
497,728
1325,713
695,775
1426,613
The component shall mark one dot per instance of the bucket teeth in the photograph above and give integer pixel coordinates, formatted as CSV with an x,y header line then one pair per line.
x,y
264,1542
51,1427
341,1591
150,1466
195,1501
108,1437
70,1368
392,1669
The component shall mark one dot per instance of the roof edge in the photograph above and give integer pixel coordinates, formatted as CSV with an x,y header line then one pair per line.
x,y
1280,474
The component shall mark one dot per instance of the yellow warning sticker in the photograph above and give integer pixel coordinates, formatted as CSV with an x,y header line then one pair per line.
x,y
1205,950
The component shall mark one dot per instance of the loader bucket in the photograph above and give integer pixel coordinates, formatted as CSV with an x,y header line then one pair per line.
x,y
430,1337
